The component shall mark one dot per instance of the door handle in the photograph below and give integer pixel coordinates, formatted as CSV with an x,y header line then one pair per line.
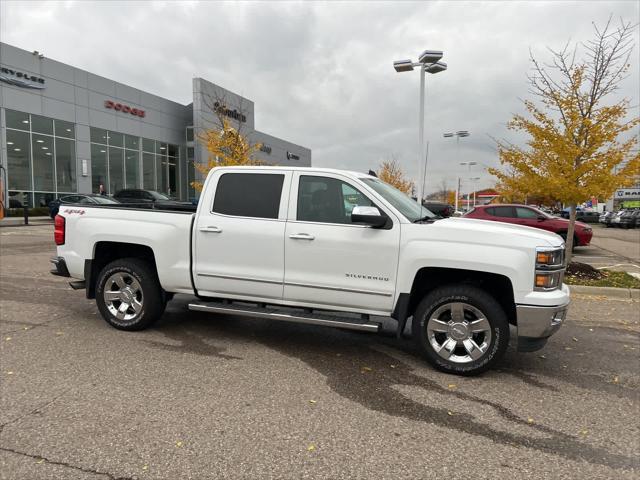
x,y
302,236
211,229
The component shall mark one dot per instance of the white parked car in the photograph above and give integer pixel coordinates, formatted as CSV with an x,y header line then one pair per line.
x,y
324,247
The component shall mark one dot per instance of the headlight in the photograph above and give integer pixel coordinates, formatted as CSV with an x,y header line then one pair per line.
x,y
548,280
549,269
549,257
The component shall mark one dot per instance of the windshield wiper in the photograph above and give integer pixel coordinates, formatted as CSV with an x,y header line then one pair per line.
x,y
428,219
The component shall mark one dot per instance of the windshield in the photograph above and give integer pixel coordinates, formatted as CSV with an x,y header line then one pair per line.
x,y
401,201
159,196
104,200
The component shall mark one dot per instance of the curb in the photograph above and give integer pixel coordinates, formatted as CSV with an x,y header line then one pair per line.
x,y
625,293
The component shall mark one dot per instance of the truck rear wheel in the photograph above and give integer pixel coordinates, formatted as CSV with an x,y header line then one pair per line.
x,y
460,329
129,295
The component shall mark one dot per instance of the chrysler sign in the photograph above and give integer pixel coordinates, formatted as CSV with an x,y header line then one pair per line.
x,y
119,107
21,79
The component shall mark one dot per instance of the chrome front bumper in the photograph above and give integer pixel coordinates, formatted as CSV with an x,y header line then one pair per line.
x,y
536,324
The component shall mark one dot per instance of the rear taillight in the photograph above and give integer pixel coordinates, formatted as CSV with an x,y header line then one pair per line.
x,y
58,232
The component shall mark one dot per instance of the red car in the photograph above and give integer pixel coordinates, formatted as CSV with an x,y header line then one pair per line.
x,y
532,217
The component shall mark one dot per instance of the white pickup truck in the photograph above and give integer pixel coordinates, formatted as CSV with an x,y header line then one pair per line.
x,y
323,247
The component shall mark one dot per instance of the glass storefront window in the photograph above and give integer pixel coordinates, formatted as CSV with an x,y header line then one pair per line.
x,y
42,199
116,139
98,135
161,173
65,164
189,134
17,120
42,124
18,154
65,129
98,167
132,175
148,175
148,145
42,153
116,170
131,142
172,177
172,150
161,148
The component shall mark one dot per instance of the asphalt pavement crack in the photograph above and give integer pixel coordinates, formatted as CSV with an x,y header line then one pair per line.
x,y
108,475
37,409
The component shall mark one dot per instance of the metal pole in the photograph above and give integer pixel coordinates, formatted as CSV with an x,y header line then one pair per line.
x,y
457,192
421,135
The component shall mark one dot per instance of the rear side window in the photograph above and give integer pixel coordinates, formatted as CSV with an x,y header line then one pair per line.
x,y
248,195
526,213
504,212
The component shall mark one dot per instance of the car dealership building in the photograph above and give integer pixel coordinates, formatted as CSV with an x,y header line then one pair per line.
x,y
66,130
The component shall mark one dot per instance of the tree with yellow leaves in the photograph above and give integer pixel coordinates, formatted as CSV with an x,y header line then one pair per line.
x,y
578,144
391,173
226,144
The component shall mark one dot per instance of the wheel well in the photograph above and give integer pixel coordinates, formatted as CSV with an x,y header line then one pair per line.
x,y
106,252
429,278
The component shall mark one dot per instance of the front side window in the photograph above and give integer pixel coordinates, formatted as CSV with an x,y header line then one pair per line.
x,y
525,213
327,200
248,195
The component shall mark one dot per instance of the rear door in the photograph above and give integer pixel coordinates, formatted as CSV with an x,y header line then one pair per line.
x,y
239,233
331,261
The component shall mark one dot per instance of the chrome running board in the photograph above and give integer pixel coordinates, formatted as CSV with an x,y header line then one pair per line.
x,y
288,315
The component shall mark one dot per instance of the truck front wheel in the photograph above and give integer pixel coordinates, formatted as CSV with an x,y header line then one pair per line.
x,y
460,329
129,295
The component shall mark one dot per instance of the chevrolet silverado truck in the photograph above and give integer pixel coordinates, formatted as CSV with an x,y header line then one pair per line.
x,y
322,247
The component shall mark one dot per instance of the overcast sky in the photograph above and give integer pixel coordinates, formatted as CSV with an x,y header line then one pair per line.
x,y
321,74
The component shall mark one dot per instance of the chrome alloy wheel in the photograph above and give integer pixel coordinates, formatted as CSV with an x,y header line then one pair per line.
x,y
459,332
123,296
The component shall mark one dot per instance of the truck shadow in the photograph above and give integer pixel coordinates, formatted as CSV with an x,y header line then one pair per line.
x,y
357,371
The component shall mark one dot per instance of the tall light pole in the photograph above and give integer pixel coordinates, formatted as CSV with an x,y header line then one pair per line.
x,y
470,164
429,62
459,134
474,180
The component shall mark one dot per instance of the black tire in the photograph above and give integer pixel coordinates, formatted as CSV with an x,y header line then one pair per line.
x,y
493,345
142,286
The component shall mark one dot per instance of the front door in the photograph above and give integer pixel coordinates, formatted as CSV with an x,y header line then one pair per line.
x,y
330,261
239,235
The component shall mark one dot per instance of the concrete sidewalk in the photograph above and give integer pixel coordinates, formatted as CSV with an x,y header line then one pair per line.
x,y
19,221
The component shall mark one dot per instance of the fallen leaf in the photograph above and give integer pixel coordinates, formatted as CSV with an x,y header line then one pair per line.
x,y
450,413
542,356
574,339
615,379
40,461
452,386
568,348
178,444
145,467
27,328
59,333
311,448
9,373
393,366
530,421
312,402
591,329
584,432
366,369
8,338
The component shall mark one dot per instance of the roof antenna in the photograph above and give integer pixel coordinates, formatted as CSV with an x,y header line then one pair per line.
x,y
372,173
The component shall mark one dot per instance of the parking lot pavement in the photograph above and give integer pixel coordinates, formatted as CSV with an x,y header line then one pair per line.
x,y
612,248
210,396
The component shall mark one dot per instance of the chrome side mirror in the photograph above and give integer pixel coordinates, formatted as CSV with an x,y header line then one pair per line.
x,y
369,216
